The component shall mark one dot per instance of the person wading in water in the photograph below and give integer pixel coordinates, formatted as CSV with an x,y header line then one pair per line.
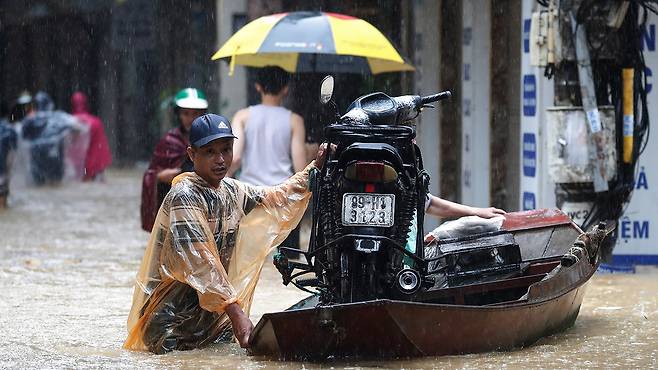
x,y
210,239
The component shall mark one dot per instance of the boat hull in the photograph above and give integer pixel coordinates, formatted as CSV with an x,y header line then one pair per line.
x,y
393,329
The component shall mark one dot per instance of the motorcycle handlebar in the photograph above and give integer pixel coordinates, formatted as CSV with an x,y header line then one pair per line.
x,y
379,108
436,97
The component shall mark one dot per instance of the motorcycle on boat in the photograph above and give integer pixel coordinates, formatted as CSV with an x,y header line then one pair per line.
x,y
369,204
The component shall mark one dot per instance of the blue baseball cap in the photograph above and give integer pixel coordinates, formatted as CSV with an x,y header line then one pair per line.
x,y
209,127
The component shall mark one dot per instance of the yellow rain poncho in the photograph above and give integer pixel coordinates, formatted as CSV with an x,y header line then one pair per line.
x,y
206,251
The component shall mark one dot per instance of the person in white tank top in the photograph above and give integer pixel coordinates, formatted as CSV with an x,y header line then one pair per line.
x,y
271,139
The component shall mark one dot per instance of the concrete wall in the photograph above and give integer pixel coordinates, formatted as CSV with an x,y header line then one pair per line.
x,y
427,63
450,24
476,52
232,89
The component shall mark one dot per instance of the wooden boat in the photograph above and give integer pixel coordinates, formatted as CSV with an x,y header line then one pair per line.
x,y
494,313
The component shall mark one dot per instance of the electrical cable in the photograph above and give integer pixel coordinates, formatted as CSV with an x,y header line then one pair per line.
x,y
612,204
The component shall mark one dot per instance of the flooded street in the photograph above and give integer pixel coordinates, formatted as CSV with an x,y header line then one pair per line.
x,y
68,257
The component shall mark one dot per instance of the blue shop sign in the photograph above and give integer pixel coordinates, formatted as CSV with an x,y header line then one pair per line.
x,y
529,95
526,36
529,155
529,201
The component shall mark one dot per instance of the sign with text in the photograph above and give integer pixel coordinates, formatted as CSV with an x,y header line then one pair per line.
x,y
638,236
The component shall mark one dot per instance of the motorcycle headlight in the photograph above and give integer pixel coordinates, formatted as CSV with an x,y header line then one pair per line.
x,y
408,281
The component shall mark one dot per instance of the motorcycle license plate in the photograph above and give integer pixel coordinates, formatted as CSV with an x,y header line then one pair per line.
x,y
361,209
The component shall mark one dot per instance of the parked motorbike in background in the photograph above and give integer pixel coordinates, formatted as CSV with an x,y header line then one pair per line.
x,y
368,208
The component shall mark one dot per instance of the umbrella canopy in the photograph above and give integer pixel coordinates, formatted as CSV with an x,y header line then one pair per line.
x,y
313,42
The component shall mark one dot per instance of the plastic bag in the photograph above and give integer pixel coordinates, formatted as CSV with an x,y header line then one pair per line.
x,y
469,225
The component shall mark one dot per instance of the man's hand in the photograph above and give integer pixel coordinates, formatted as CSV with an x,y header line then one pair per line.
x,y
323,150
242,326
489,212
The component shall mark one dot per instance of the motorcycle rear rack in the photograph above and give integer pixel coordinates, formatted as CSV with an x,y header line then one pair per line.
x,y
393,243
390,132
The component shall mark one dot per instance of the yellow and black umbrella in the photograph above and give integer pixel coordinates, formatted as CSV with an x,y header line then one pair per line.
x,y
313,42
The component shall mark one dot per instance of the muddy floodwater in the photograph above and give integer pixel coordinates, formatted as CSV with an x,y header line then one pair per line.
x,y
69,254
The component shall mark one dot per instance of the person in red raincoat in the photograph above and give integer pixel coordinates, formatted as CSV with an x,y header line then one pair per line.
x,y
169,156
98,156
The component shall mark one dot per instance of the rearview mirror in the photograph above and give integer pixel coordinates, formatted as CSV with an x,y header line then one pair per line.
x,y
326,89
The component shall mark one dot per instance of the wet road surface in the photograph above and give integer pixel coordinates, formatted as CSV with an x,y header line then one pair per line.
x,y
69,254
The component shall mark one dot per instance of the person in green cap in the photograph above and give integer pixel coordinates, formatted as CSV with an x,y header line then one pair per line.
x,y
169,156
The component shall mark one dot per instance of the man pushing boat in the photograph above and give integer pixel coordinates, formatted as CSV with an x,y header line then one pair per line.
x,y
211,237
